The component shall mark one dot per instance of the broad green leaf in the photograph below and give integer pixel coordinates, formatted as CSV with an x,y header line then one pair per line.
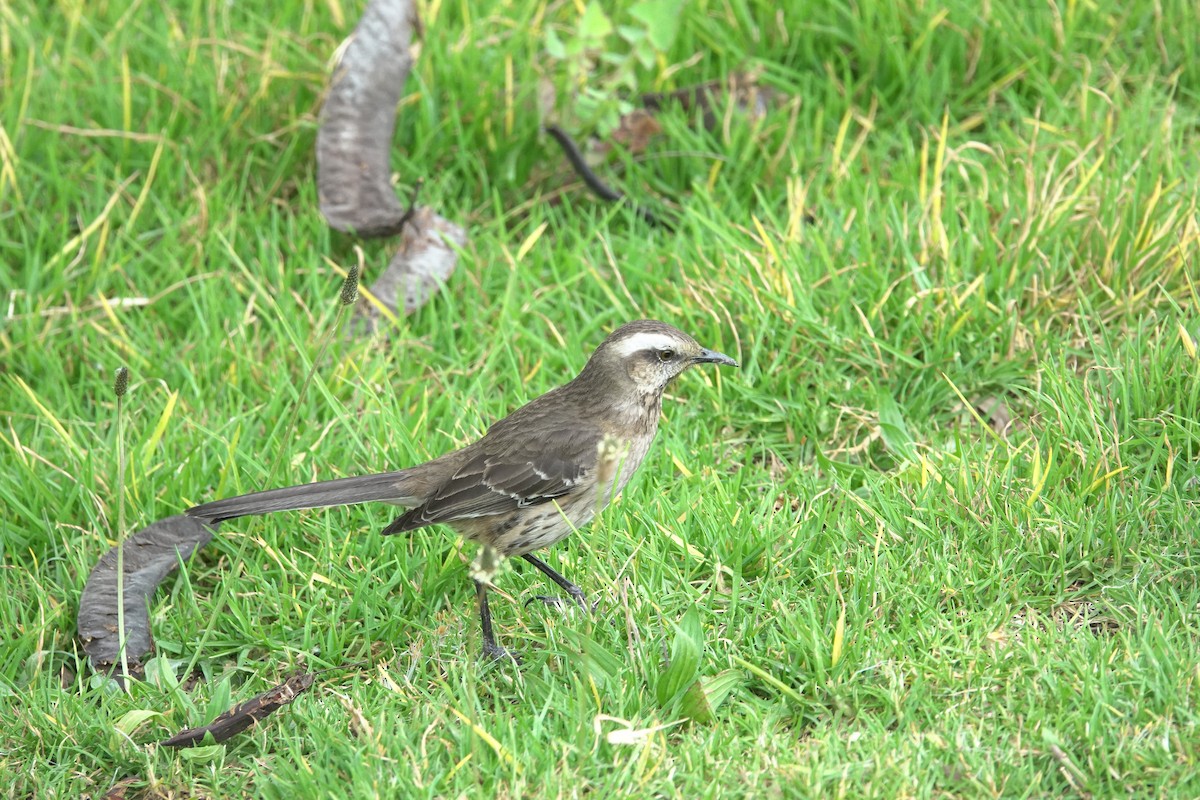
x,y
554,45
207,754
631,34
104,682
220,699
594,24
130,721
645,53
705,696
840,467
893,427
686,653
661,18
160,672
599,663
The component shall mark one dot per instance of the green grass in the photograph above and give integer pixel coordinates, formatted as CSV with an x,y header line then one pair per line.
x,y
914,604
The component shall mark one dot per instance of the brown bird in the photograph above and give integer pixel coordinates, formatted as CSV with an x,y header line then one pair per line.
x,y
541,472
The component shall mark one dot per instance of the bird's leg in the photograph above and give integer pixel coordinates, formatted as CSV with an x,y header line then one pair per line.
x,y
574,591
490,648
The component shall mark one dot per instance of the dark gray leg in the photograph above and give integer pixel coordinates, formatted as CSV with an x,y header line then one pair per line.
x,y
491,650
574,591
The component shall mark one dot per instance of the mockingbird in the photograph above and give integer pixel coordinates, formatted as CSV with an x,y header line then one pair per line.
x,y
536,475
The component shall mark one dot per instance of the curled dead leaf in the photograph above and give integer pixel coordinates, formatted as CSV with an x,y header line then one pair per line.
x,y
149,556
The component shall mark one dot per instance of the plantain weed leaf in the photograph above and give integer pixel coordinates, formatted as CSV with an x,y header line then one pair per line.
x,y
598,662
160,672
130,721
209,754
705,696
221,697
853,472
686,653
893,427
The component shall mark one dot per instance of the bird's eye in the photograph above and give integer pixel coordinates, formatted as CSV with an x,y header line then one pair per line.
x,y
666,355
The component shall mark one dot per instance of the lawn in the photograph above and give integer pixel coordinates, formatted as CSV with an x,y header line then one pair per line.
x,y
939,536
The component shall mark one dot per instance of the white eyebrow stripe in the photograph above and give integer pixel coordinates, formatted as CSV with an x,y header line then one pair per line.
x,y
646,340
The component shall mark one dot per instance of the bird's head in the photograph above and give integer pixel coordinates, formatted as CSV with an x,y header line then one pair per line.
x,y
650,354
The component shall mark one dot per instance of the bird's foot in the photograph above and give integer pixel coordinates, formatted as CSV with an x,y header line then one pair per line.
x,y
494,652
557,602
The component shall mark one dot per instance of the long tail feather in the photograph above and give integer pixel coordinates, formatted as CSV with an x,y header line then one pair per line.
x,y
393,487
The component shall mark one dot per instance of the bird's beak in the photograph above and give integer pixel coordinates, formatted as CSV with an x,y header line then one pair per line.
x,y
713,357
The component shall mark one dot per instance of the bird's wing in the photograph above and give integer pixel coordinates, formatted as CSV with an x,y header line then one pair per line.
x,y
500,479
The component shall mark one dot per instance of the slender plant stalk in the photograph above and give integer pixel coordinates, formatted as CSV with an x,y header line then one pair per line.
x,y
120,387
347,299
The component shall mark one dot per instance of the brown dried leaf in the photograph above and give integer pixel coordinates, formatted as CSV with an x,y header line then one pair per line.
x,y
120,791
150,555
636,129
709,98
995,410
425,261
359,118
244,715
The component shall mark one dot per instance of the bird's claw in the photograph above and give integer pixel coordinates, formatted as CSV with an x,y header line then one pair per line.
x,y
553,602
557,602
494,652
